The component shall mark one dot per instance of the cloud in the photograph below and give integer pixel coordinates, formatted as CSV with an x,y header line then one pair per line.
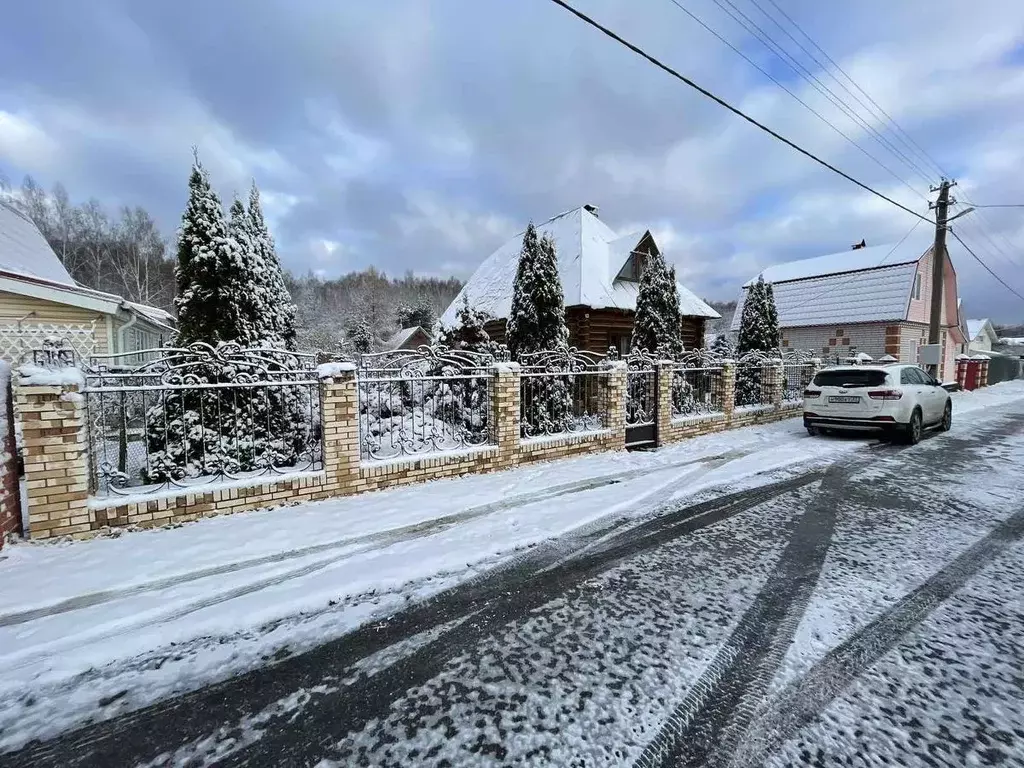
x,y
418,136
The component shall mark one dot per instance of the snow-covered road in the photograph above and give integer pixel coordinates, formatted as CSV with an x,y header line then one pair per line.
x,y
648,614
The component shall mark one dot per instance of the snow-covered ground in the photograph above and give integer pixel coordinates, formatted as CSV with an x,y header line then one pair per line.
x,y
94,629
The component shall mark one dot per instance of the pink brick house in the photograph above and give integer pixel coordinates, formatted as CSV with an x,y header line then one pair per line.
x,y
873,299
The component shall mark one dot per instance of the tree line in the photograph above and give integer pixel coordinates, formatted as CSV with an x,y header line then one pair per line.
x,y
126,254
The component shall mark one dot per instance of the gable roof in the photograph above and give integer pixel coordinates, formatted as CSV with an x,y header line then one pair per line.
x,y
29,267
975,328
402,336
909,250
862,286
861,297
590,256
24,250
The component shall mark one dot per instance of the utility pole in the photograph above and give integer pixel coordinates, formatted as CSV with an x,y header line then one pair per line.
x,y
941,207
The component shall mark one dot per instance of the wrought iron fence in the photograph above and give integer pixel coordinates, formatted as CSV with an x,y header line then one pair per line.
x,y
756,378
797,370
197,415
697,386
641,389
424,400
562,392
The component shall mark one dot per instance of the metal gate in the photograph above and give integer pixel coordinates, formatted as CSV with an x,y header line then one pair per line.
x,y
641,401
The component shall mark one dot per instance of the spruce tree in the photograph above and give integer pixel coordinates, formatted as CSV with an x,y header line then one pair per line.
x,y
536,321
209,272
721,348
657,322
280,321
468,333
419,314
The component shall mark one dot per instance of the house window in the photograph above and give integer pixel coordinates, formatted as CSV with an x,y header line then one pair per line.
x,y
916,294
633,267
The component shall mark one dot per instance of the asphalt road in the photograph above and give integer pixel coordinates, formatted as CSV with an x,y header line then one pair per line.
x,y
866,613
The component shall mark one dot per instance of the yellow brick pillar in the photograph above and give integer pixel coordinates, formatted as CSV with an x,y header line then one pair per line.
x,y
340,403
505,413
775,381
54,447
614,402
664,369
728,389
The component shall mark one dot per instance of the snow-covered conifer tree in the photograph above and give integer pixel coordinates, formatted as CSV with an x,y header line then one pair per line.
x,y
537,319
656,324
721,348
759,333
468,332
280,321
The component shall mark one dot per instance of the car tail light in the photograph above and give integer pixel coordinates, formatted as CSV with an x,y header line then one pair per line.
x,y
812,393
885,394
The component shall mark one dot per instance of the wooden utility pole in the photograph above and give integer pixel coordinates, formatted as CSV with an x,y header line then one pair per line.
x,y
941,207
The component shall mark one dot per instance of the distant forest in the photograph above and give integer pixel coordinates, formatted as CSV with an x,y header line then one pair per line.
x,y
125,253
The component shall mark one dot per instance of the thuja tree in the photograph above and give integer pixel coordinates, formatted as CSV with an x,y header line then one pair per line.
x,y
537,324
656,325
759,333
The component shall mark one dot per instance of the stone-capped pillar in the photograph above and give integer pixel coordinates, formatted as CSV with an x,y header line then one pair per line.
x,y
614,400
983,372
55,450
340,403
728,388
505,412
663,371
961,370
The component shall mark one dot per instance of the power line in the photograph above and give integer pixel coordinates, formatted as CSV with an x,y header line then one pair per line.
x,y
881,263
803,72
1020,205
664,67
986,266
980,229
803,103
908,141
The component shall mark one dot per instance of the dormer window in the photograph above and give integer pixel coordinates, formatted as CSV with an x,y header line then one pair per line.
x,y
633,267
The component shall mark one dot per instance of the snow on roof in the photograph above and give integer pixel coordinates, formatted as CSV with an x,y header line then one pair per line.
x,y
909,250
861,297
402,336
590,255
24,250
975,327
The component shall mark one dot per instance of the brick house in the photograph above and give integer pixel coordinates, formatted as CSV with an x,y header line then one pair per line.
x,y
874,300
600,273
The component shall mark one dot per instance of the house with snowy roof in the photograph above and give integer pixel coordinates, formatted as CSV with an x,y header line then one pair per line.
x,y
874,300
39,299
407,338
981,335
600,274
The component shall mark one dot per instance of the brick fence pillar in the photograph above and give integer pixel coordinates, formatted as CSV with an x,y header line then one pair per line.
x,y
663,371
983,373
614,401
505,413
775,381
340,402
54,447
728,389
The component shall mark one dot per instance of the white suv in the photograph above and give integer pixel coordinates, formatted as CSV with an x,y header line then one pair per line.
x,y
899,400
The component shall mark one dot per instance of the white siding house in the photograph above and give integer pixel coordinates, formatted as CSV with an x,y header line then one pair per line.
x,y
874,300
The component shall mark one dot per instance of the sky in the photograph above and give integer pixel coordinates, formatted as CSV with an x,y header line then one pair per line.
x,y
414,135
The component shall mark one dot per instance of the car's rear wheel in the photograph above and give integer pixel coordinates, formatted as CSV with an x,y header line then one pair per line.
x,y
947,417
812,431
912,435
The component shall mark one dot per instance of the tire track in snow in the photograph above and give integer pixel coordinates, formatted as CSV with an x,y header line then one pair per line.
x,y
803,701
719,704
496,599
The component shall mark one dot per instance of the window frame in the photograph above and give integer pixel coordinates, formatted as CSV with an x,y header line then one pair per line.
x,y
915,292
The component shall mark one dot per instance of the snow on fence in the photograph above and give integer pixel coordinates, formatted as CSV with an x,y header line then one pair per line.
x,y
697,386
562,392
426,400
192,416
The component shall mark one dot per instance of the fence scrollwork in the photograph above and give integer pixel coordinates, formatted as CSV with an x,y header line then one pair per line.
x,y
188,416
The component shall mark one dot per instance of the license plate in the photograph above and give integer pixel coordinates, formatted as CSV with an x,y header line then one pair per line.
x,y
843,399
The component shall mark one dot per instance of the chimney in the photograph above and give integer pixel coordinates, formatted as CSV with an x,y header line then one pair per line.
x,y
858,246
592,209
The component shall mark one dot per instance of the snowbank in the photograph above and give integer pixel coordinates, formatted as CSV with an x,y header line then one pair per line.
x,y
37,376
